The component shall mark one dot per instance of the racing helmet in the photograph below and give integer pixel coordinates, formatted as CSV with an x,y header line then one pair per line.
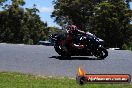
x,y
71,27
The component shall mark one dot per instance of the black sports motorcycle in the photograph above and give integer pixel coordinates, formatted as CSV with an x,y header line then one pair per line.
x,y
93,46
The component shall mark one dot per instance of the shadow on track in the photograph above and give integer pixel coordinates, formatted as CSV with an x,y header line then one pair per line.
x,y
74,58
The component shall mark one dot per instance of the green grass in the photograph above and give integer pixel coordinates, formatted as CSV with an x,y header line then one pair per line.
x,y
18,80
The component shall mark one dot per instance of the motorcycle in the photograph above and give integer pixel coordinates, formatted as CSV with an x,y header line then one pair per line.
x,y
92,46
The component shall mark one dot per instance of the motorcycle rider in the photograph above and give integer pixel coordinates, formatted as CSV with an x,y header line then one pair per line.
x,y
68,43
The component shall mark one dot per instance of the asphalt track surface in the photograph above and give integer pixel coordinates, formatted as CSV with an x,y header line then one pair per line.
x,y
44,61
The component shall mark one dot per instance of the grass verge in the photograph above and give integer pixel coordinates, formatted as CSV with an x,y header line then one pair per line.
x,y
18,80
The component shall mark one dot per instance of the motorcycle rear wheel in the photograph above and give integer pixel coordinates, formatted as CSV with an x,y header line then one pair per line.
x,y
60,51
101,53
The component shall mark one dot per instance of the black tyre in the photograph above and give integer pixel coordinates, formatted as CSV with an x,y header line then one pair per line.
x,y
61,52
101,53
